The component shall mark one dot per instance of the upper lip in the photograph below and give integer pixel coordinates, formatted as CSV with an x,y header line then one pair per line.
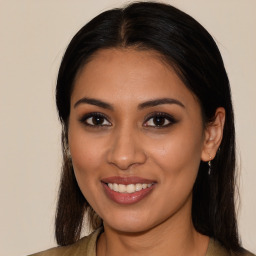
x,y
127,180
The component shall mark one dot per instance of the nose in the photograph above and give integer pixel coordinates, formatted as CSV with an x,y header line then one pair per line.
x,y
126,150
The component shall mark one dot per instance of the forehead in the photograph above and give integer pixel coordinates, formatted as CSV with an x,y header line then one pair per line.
x,y
129,75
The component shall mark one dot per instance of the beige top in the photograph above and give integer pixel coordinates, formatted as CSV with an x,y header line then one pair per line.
x,y
87,247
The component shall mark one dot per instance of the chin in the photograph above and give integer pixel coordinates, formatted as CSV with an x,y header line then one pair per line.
x,y
129,223
130,229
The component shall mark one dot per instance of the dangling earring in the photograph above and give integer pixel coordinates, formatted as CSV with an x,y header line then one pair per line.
x,y
210,166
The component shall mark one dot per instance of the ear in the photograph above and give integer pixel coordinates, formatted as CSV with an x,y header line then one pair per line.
x,y
213,135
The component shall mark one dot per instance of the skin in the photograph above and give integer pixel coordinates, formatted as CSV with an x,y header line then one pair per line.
x,y
129,143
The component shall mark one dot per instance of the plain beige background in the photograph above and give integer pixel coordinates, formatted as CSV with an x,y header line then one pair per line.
x,y
33,37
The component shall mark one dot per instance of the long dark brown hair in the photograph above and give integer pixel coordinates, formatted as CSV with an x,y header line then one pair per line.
x,y
194,55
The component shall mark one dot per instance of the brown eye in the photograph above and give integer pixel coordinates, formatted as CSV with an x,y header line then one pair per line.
x,y
95,119
159,120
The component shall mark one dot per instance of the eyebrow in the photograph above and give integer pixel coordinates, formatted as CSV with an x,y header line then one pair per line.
x,y
156,102
94,102
147,104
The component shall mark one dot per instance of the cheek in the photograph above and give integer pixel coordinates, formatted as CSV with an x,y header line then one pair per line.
x,y
177,160
179,155
85,156
85,148
86,153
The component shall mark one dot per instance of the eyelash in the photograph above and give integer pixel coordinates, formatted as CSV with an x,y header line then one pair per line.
x,y
86,117
171,120
166,117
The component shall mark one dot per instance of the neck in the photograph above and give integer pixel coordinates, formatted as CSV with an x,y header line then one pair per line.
x,y
176,235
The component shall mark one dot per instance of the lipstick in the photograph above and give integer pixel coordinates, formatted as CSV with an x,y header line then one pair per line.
x,y
127,190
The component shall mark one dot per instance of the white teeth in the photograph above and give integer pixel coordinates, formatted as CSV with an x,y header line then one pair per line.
x,y
144,186
138,187
122,188
130,188
115,187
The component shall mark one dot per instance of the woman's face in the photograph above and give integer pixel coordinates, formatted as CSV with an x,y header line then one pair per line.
x,y
136,137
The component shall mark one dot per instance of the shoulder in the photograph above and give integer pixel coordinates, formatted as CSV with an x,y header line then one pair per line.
x,y
216,249
86,246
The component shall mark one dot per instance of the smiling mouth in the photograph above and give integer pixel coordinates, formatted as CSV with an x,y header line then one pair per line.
x,y
127,190
130,188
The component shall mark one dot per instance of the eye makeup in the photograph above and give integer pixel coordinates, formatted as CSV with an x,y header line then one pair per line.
x,y
95,120
156,120
159,120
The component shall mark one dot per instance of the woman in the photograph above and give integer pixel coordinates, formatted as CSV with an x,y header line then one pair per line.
x,y
148,138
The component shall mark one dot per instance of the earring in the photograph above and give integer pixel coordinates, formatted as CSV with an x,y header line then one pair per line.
x,y
210,166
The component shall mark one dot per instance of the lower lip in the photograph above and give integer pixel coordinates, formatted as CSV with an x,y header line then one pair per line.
x,y
127,198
